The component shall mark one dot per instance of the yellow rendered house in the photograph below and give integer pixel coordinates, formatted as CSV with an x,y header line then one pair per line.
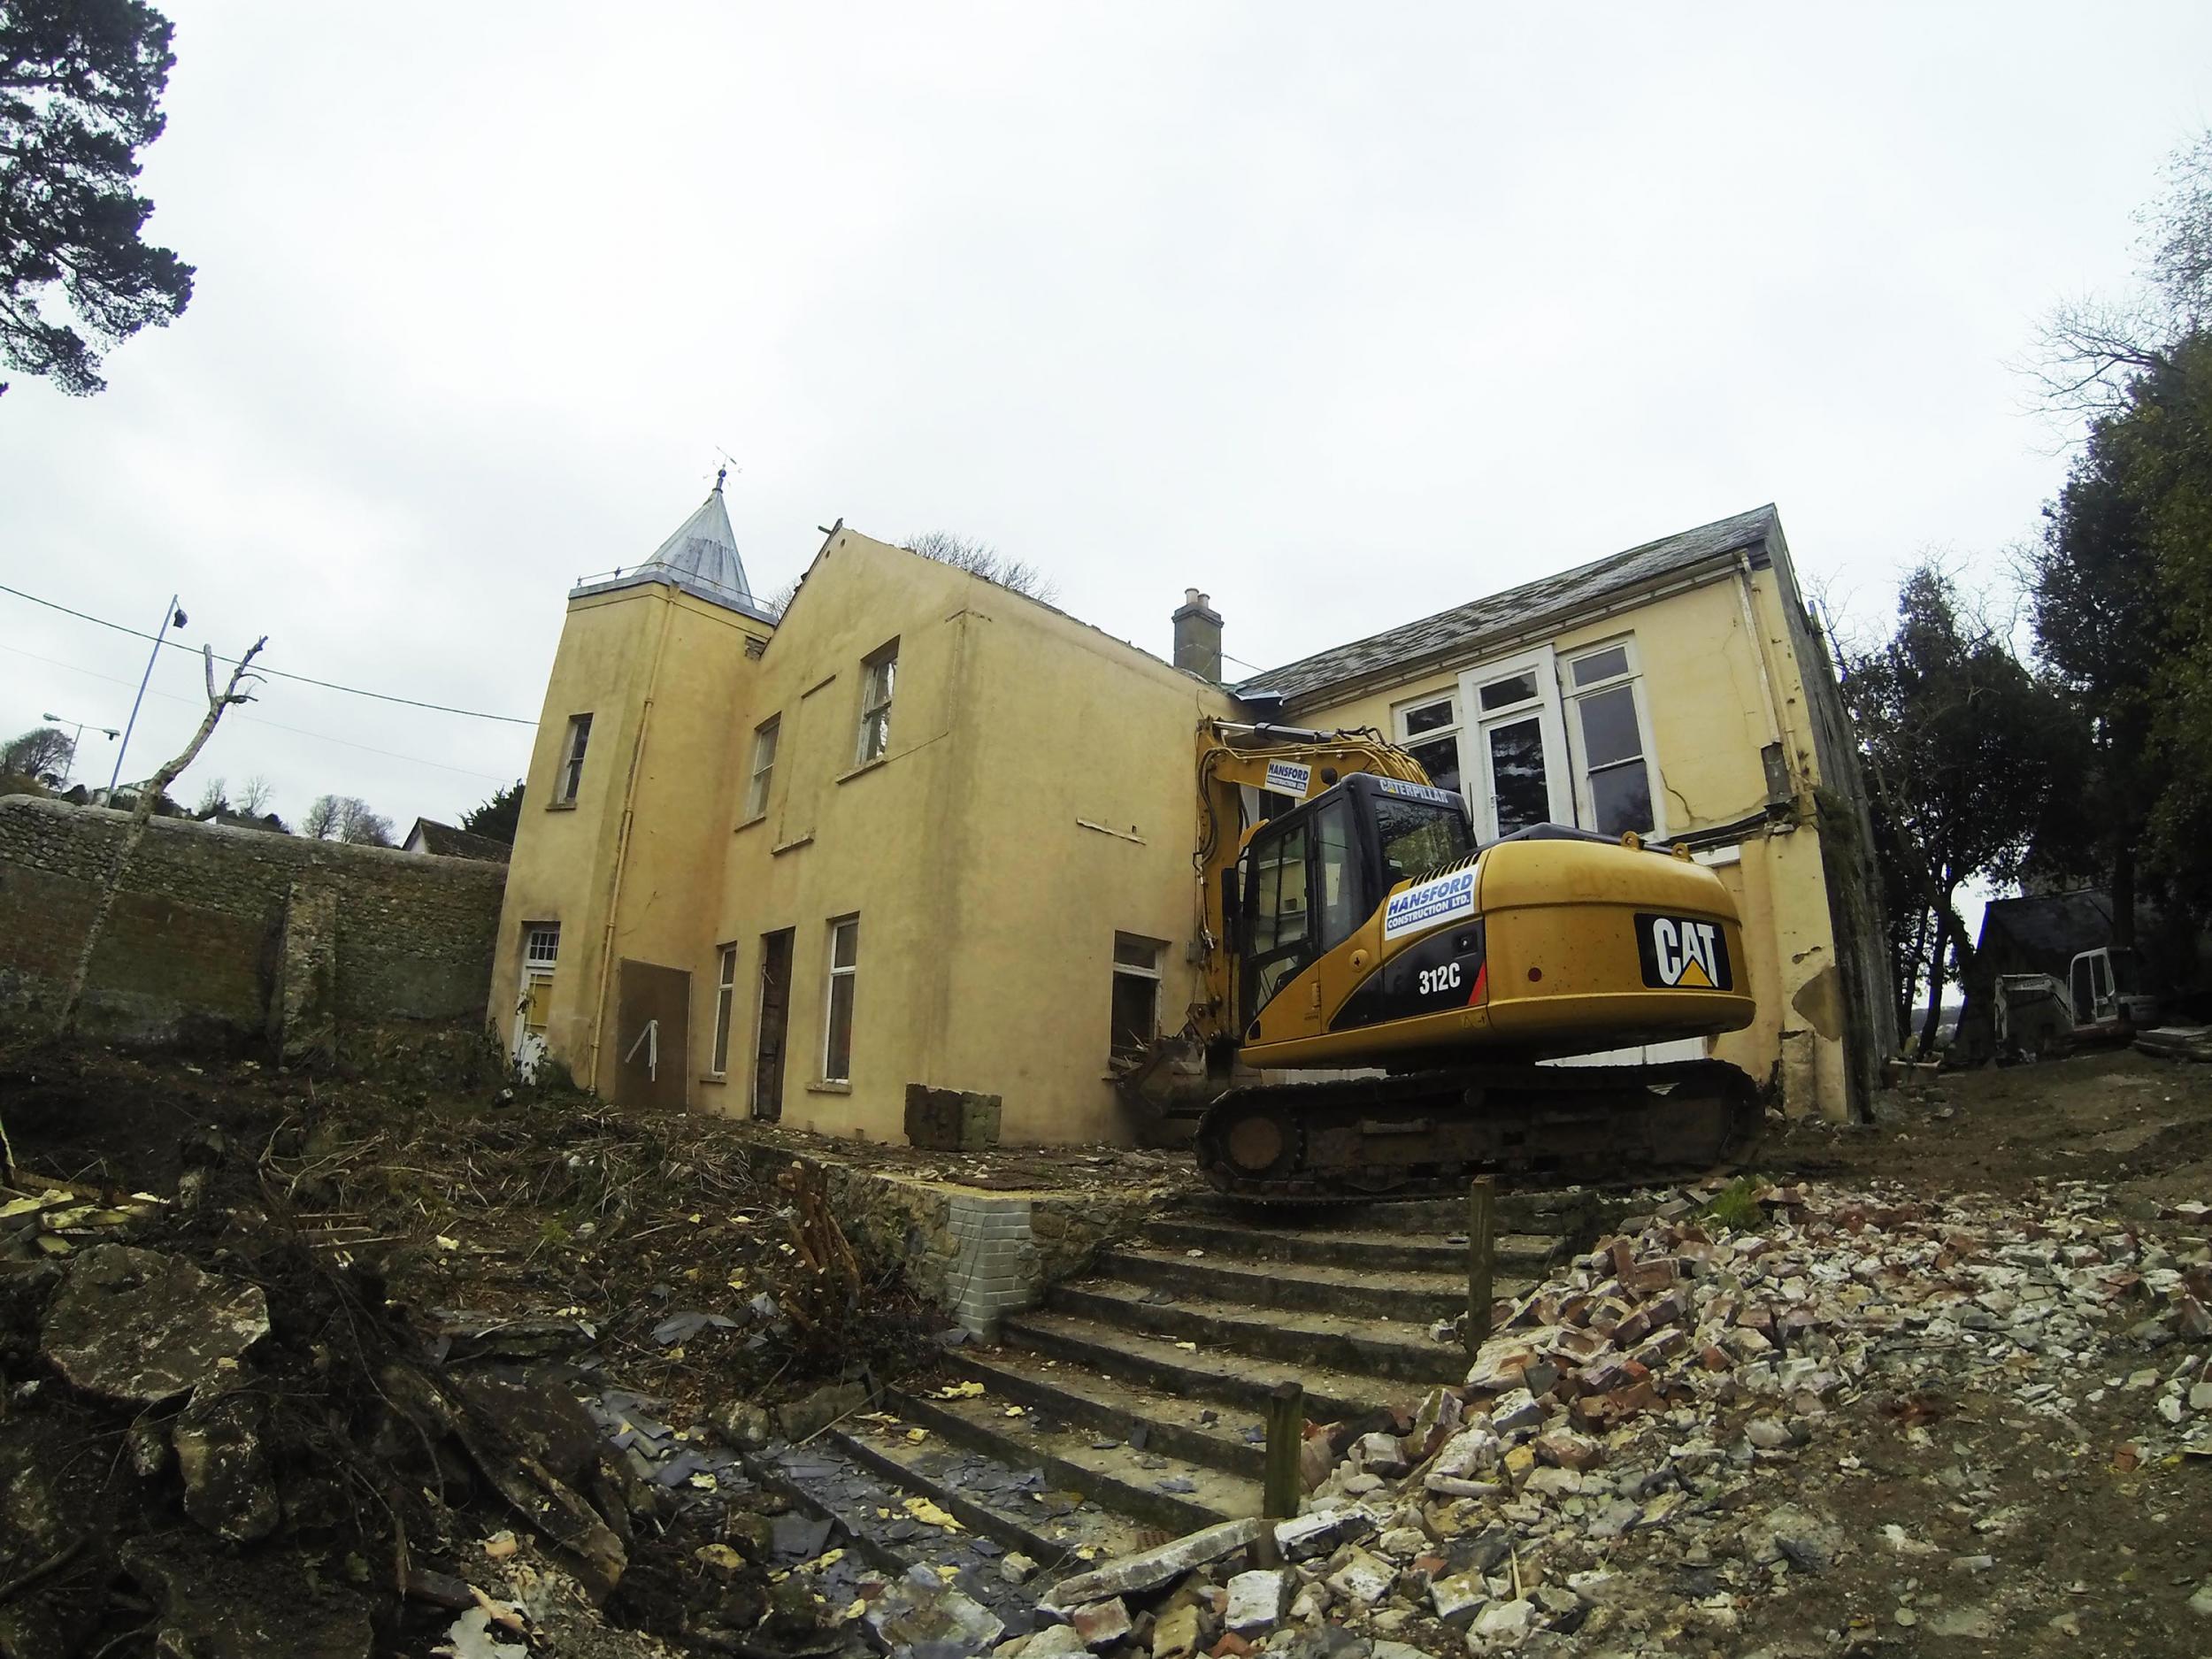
x,y
786,867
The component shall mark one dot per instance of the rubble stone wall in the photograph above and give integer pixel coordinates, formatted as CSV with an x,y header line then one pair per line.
x,y
983,1255
196,948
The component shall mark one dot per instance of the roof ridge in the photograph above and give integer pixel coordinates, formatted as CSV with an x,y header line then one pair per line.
x,y
1438,632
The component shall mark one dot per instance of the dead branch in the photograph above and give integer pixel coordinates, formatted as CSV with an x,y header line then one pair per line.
x,y
142,814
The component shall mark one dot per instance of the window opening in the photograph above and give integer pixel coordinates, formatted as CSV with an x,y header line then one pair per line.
x,y
1136,993
572,766
879,676
837,1034
764,767
1429,731
724,995
1609,722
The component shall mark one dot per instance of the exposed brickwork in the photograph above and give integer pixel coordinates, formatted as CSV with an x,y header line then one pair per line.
x,y
196,944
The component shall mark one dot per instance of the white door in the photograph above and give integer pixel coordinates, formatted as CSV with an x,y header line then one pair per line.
x,y
1518,774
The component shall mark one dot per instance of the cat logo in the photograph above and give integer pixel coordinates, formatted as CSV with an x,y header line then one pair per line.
x,y
1683,954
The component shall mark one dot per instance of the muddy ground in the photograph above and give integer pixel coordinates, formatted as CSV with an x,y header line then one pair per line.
x,y
475,1233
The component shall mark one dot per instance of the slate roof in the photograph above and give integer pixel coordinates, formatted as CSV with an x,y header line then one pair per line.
x,y
448,842
1519,610
701,557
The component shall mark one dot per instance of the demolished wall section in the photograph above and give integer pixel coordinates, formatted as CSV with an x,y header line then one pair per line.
x,y
198,946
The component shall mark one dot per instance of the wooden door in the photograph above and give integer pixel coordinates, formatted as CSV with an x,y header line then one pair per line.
x,y
775,1019
653,1037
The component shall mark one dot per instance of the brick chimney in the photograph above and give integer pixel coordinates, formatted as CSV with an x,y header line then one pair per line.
x,y
1198,636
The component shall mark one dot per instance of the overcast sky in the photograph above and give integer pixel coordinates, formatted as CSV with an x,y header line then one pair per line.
x,y
1344,314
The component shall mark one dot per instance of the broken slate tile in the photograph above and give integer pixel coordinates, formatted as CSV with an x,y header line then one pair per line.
x,y
800,1535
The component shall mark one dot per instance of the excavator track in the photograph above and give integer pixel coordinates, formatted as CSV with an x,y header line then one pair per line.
x,y
1352,1140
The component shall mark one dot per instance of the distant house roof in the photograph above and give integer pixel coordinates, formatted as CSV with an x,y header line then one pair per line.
x,y
701,557
429,836
1519,611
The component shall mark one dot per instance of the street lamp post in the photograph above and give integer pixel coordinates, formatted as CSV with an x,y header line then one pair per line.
x,y
172,615
76,732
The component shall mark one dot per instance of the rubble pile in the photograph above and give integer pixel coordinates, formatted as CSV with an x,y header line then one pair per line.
x,y
364,1378
1681,1423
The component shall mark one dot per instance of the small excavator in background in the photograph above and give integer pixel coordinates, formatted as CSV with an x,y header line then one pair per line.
x,y
1350,927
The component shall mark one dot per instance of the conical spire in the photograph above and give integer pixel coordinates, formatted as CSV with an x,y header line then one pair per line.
x,y
704,550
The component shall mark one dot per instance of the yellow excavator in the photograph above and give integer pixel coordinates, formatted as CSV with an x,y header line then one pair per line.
x,y
1351,925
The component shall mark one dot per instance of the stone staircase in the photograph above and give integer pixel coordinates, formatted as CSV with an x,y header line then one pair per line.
x,y
1128,1405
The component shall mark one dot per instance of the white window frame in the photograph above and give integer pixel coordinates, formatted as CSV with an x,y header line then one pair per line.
x,y
829,995
767,738
1476,723
1631,677
1403,712
724,999
568,783
879,684
1156,974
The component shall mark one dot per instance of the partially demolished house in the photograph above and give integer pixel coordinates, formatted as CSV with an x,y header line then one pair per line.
x,y
788,867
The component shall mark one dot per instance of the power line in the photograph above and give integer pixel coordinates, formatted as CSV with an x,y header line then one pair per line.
x,y
262,668
255,719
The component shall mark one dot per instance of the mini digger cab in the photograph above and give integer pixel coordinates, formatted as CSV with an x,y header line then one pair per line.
x,y
1358,930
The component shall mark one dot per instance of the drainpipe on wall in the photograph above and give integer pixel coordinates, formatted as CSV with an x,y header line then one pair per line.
x,y
622,836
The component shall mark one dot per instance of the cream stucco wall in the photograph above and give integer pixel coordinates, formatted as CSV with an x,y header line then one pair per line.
x,y
1719,682
1035,799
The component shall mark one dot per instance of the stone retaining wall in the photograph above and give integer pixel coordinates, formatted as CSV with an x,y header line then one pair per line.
x,y
224,934
984,1254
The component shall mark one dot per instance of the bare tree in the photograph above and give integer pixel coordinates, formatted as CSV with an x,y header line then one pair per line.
x,y
43,752
980,559
135,831
346,817
780,602
254,794
214,798
2089,349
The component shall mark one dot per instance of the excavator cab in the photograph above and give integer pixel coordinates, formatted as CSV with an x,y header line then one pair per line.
x,y
1312,875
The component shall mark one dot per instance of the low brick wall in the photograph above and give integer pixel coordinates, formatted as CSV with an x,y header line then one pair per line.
x,y
984,1254
221,934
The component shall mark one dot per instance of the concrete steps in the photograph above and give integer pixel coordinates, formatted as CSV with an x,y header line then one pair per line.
x,y
1170,1492
1160,1363
1128,1407
1416,1296
1374,1252
1380,1347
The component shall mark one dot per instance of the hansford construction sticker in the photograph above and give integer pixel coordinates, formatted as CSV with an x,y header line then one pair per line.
x,y
1287,776
1425,903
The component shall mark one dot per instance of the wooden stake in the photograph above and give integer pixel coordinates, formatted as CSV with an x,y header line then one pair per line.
x,y
1286,1442
1481,1219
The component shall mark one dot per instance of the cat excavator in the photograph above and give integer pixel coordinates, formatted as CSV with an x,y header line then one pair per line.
x,y
1351,928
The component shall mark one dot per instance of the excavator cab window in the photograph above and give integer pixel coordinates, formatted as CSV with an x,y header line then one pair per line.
x,y
1313,876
